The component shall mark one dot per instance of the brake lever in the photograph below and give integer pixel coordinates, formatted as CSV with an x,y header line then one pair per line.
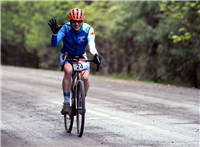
x,y
98,67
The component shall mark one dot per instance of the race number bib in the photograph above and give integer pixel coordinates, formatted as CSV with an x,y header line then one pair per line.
x,y
79,65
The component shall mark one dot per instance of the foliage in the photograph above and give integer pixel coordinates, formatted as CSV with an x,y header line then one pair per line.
x,y
184,53
150,40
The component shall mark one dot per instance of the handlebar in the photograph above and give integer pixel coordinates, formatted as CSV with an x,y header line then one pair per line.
x,y
78,59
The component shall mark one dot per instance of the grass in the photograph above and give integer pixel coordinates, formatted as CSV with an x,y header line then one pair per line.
x,y
126,77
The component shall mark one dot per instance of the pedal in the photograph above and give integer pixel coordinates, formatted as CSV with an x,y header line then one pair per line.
x,y
63,113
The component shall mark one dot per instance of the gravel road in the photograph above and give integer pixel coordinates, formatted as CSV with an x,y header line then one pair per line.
x,y
119,113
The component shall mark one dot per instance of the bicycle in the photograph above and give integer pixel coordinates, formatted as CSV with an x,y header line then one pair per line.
x,y
77,107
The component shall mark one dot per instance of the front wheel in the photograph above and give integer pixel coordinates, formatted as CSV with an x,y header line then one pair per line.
x,y
80,108
69,118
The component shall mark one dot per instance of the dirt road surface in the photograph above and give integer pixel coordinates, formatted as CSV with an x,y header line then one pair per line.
x,y
119,113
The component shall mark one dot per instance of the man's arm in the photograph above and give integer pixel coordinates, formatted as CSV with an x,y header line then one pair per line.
x,y
58,32
92,48
91,42
56,38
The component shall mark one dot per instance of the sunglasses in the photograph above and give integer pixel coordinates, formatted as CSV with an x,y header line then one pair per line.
x,y
75,21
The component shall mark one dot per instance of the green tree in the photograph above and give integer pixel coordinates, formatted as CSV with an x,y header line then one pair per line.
x,y
133,32
184,54
24,25
152,40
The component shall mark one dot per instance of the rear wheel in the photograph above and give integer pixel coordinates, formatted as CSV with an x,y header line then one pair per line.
x,y
80,108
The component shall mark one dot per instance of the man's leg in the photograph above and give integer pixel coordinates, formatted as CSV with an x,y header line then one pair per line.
x,y
66,85
86,81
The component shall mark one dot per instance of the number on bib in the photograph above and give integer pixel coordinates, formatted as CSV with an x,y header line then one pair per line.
x,y
79,65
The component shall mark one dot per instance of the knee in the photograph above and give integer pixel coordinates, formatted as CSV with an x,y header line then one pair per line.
x,y
68,71
85,79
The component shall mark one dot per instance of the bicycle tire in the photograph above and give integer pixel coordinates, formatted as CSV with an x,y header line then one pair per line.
x,y
80,109
69,118
68,121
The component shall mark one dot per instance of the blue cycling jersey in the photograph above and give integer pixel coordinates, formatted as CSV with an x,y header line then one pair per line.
x,y
74,42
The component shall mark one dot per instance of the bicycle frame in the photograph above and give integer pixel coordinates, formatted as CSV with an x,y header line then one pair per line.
x,y
75,77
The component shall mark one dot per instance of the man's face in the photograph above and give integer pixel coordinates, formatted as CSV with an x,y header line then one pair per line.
x,y
76,24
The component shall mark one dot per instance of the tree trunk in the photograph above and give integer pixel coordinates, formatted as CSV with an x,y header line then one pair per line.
x,y
125,65
193,76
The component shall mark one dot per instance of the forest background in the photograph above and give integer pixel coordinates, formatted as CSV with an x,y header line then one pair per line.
x,y
155,41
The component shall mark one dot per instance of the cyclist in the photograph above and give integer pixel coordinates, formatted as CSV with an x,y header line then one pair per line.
x,y
75,35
